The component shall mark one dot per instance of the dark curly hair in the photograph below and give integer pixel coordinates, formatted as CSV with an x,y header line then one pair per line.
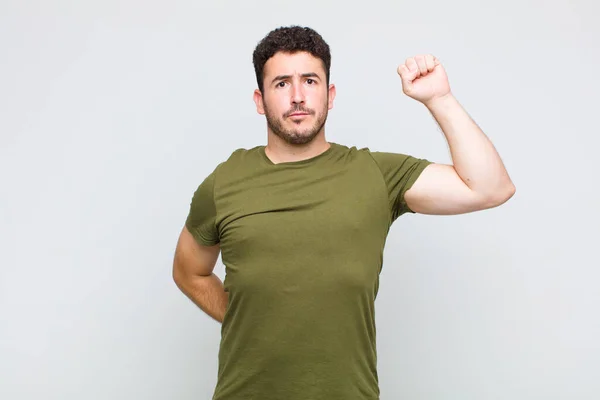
x,y
290,39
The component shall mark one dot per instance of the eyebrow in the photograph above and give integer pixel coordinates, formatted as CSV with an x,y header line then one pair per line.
x,y
306,75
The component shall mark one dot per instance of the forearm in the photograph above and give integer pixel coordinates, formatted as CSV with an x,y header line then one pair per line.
x,y
475,159
207,292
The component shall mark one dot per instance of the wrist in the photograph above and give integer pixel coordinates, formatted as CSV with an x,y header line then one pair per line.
x,y
440,103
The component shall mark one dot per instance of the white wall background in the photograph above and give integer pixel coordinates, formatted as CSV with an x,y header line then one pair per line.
x,y
112,112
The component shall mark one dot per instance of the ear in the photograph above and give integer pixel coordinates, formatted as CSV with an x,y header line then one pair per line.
x,y
331,95
258,100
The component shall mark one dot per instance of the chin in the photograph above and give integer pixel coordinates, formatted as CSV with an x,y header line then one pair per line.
x,y
301,138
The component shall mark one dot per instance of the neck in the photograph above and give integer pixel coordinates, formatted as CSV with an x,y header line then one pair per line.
x,y
278,150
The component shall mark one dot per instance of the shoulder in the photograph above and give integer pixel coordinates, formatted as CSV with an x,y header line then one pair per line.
x,y
233,159
357,151
243,155
366,159
367,155
352,153
237,159
388,162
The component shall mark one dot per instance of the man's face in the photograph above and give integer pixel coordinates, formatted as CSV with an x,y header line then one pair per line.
x,y
295,98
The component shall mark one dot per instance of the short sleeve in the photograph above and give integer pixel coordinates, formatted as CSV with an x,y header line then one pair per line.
x,y
400,172
201,220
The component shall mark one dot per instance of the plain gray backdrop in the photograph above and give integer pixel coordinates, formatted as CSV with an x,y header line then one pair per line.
x,y
112,112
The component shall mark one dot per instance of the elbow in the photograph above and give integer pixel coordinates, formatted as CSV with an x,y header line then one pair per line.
x,y
508,192
501,195
511,190
178,276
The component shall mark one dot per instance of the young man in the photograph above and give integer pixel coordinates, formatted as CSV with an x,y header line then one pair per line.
x,y
301,225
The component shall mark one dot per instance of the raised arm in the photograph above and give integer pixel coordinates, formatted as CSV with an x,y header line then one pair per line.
x,y
477,179
193,267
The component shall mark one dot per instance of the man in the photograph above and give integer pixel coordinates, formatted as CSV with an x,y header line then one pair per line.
x,y
301,225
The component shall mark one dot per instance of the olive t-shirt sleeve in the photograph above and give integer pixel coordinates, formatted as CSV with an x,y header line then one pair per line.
x,y
400,172
201,220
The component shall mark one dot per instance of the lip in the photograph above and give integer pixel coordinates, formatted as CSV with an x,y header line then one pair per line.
x,y
298,114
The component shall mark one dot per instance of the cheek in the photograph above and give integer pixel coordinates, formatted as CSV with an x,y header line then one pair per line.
x,y
279,102
322,102
273,105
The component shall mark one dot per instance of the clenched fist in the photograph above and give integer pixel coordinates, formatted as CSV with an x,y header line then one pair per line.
x,y
424,78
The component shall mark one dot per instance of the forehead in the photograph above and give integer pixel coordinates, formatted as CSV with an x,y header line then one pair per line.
x,y
293,63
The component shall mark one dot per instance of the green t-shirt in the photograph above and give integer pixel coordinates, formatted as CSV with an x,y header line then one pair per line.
x,y
302,244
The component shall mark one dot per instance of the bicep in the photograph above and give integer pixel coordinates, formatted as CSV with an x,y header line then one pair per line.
x,y
192,258
439,190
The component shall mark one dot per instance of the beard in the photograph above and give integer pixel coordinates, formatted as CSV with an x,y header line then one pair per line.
x,y
296,135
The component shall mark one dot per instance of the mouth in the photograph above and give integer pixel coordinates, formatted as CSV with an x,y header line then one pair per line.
x,y
298,114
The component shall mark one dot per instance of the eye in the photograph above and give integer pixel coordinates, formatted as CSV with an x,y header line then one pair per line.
x,y
281,84
310,81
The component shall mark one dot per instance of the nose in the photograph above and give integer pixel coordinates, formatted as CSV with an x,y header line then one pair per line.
x,y
297,94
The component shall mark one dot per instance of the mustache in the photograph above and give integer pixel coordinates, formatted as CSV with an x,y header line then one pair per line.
x,y
299,109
